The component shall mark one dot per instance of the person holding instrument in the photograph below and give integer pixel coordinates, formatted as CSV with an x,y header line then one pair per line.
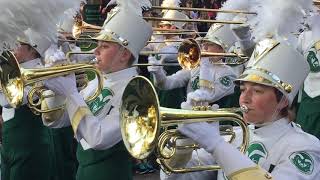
x,y
101,152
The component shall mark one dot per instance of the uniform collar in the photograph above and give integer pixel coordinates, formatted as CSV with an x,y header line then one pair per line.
x,y
276,128
35,63
125,73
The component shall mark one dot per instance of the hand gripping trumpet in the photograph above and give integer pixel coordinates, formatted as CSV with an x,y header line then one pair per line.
x,y
14,79
142,118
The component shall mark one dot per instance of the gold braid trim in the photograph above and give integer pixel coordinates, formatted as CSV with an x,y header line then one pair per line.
x,y
78,115
252,173
206,84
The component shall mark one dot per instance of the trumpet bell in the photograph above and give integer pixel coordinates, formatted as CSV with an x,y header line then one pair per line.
x,y
10,78
140,117
13,78
189,54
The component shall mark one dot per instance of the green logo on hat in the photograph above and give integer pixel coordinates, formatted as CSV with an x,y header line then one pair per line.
x,y
303,161
195,83
256,151
97,104
226,81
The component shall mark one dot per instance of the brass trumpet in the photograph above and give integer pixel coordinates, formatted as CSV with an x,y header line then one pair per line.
x,y
189,55
142,118
204,10
14,78
192,20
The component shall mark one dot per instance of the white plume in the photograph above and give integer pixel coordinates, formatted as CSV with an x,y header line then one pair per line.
x,y
41,15
232,5
170,3
280,18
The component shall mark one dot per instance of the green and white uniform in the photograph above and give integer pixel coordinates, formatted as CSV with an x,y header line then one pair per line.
x,y
309,112
281,148
101,152
27,149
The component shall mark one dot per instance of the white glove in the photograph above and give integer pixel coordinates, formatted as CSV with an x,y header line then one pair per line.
x,y
199,95
241,31
65,86
54,56
154,69
169,57
186,105
206,134
243,35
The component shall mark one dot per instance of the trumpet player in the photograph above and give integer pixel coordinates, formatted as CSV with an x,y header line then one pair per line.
x,y
278,148
309,45
68,43
26,151
216,78
101,152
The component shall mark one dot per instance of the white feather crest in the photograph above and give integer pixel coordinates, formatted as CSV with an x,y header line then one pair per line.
x,y
40,15
280,18
170,3
232,5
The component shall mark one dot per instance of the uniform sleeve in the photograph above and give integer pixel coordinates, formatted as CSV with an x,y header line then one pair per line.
x,y
99,132
177,80
298,164
200,156
215,84
223,86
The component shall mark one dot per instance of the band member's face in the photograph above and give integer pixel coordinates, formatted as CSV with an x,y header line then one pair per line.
x,y
109,56
213,48
261,101
24,53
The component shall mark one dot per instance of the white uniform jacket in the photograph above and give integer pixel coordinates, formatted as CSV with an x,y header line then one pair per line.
x,y
220,76
7,110
99,129
281,148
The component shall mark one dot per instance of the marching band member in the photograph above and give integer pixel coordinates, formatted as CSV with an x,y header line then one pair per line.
x,y
309,45
65,28
216,78
26,151
277,145
278,148
168,25
101,153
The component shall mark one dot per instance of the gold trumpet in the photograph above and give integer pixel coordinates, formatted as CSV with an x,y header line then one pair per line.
x,y
192,20
189,56
81,27
14,79
142,118
205,10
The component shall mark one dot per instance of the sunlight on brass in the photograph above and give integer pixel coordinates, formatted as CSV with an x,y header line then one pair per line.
x,y
15,78
142,118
